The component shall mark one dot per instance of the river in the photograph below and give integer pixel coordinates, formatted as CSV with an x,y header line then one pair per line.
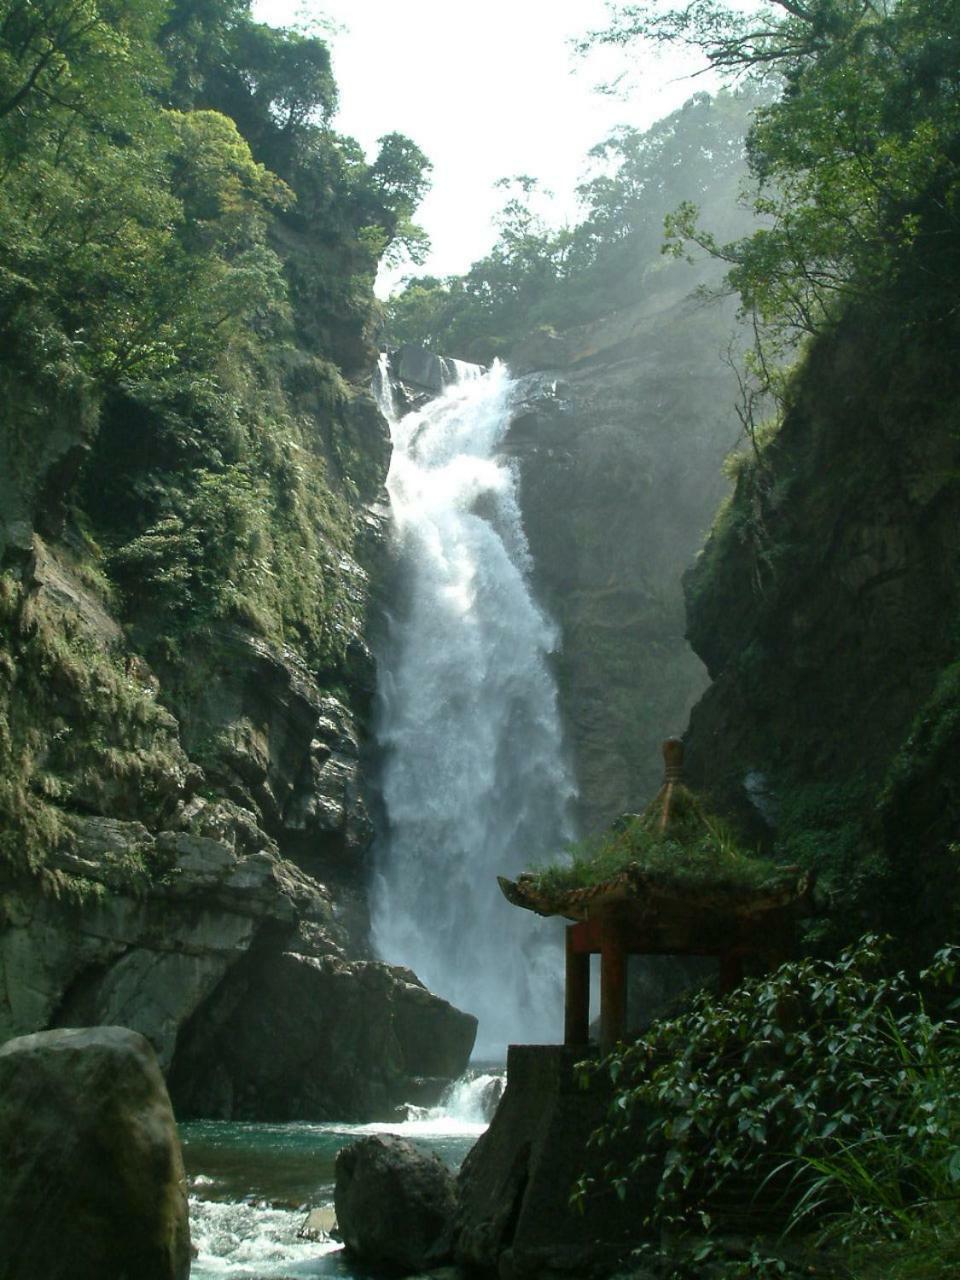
x,y
252,1185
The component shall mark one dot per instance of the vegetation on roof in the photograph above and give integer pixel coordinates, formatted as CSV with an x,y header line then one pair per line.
x,y
696,849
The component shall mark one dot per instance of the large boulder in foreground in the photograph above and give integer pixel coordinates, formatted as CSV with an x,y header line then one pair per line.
x,y
92,1185
395,1203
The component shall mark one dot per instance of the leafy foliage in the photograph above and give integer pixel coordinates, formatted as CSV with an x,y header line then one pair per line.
x,y
187,257
142,234
214,504
823,1096
856,159
143,250
69,63
81,730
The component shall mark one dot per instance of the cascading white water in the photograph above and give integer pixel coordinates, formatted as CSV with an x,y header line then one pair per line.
x,y
467,1107
474,781
473,1098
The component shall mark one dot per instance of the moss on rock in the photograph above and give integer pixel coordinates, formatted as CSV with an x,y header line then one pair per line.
x,y
825,606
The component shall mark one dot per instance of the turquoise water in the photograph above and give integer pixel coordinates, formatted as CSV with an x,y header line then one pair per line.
x,y
252,1186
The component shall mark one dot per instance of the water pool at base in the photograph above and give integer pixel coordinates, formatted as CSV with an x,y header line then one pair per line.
x,y
252,1186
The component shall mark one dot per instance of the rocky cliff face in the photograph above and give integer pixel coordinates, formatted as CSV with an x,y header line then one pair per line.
x,y
186,832
825,606
619,438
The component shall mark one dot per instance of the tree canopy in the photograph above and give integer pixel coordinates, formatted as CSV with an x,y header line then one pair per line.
x,y
187,258
855,161
851,111
540,276
146,150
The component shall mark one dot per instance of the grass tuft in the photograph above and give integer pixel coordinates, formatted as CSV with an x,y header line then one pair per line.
x,y
696,849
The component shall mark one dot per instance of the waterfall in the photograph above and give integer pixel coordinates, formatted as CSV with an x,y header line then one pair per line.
x,y
474,778
467,1106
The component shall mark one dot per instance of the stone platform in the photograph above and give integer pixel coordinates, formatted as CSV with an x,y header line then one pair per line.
x,y
514,1214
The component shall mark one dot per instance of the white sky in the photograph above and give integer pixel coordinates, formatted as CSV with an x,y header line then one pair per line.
x,y
487,90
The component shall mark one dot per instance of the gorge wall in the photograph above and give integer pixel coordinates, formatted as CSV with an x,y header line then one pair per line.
x,y
199,831
619,437
188,451
825,606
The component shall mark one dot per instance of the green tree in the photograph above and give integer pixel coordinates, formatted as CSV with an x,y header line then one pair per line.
x,y
69,61
400,173
280,76
537,276
855,162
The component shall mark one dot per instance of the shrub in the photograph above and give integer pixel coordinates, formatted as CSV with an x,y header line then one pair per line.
x,y
823,1097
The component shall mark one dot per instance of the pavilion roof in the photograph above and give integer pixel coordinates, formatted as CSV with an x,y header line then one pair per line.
x,y
677,903
641,892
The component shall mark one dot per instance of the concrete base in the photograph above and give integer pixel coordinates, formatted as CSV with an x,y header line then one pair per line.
x,y
514,1216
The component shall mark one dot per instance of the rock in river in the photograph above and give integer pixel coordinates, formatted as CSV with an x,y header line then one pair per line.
x,y
395,1203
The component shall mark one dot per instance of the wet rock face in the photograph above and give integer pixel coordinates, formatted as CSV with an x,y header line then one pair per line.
x,y
395,1203
237,969
219,910
513,1192
277,745
422,370
306,1034
825,605
619,441
91,1177
145,961
326,804
188,823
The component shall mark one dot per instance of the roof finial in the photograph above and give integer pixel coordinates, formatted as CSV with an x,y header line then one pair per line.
x,y
673,760
673,774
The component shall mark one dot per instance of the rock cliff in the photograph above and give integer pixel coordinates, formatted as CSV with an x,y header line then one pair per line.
x,y
619,436
189,451
825,606
183,827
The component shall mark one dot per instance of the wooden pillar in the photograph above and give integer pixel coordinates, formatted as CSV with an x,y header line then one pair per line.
x,y
731,972
576,1012
613,984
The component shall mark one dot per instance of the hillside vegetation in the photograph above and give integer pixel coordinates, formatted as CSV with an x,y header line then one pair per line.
x,y
825,605
540,278
187,255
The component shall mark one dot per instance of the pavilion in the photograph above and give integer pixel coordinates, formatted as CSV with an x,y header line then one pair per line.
x,y
645,911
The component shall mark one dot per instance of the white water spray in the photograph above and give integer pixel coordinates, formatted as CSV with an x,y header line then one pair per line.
x,y
475,783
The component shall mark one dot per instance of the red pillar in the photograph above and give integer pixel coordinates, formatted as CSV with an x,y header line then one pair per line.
x,y
576,1013
613,984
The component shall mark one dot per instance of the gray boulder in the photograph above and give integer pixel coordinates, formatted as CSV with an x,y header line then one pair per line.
x,y
422,369
92,1185
295,1036
394,1203
145,961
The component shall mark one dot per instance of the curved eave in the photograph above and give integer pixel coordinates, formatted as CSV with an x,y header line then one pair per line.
x,y
635,891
